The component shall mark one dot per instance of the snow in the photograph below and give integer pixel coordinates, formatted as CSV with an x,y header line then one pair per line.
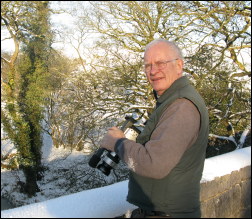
x,y
226,163
229,138
108,201
104,202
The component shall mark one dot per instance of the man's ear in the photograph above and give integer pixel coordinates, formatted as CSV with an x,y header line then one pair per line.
x,y
180,65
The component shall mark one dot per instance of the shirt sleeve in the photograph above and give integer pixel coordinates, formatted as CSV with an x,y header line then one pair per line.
x,y
175,132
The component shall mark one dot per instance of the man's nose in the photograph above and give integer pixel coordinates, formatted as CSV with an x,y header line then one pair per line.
x,y
154,69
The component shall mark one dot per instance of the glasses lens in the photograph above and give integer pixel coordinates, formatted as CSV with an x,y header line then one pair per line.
x,y
147,67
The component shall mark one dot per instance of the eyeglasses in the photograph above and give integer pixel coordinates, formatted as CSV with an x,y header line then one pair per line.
x,y
159,65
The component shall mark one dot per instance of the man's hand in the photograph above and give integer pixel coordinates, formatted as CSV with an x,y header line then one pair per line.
x,y
111,138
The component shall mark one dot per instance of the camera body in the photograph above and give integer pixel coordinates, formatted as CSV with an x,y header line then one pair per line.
x,y
105,160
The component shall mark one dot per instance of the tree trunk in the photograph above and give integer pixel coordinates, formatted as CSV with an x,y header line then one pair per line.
x,y
30,187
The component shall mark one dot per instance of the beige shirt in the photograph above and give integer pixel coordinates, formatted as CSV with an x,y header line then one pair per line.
x,y
176,131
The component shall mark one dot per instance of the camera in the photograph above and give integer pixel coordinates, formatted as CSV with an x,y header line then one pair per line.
x,y
105,160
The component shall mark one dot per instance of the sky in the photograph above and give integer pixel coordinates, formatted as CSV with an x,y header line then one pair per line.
x,y
108,201
63,22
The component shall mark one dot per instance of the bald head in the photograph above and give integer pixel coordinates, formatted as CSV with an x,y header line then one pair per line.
x,y
171,45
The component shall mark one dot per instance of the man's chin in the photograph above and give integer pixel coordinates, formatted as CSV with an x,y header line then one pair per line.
x,y
159,91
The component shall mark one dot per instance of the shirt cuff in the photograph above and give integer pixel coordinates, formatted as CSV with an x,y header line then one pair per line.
x,y
119,149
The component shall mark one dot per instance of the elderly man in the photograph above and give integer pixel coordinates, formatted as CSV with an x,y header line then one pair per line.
x,y
167,159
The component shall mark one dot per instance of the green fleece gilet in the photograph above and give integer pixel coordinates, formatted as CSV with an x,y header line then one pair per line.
x,y
178,193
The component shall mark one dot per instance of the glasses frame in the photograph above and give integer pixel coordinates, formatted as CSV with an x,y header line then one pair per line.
x,y
157,64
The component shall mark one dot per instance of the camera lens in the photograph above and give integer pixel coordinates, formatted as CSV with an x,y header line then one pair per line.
x,y
110,161
95,159
105,168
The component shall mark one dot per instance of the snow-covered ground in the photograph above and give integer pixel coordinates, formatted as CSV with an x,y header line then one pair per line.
x,y
66,172
107,201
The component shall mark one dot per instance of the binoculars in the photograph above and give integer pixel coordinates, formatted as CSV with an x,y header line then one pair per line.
x,y
105,160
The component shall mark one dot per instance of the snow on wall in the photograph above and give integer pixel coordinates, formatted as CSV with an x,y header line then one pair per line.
x,y
110,201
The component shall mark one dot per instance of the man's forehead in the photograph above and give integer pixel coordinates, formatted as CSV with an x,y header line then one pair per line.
x,y
158,53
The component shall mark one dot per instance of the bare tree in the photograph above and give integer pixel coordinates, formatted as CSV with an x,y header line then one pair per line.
x,y
215,39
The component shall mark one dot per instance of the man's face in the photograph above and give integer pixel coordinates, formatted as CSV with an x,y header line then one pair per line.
x,y
160,73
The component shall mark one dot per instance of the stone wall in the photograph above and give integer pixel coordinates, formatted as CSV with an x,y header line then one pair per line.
x,y
228,196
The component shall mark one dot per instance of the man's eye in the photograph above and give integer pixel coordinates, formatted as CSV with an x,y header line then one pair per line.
x,y
158,64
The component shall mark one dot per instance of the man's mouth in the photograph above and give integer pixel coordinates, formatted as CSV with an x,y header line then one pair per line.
x,y
156,79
